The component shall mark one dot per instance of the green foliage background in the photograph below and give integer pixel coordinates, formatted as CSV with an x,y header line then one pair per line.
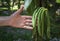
x,y
55,19
10,34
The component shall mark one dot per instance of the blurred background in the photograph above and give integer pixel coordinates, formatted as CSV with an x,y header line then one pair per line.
x,y
7,7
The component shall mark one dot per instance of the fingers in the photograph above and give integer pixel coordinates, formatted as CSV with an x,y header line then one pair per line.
x,y
27,17
28,27
28,22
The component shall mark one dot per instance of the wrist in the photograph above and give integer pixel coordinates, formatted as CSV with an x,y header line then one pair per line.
x,y
5,22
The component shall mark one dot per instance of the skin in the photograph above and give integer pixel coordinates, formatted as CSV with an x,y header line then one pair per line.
x,y
16,20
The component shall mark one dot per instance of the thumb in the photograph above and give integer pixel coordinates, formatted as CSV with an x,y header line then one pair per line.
x,y
19,11
22,6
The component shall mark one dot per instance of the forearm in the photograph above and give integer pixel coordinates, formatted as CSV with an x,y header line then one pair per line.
x,y
4,21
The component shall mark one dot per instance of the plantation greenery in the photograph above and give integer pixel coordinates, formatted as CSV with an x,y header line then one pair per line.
x,y
42,18
45,17
57,1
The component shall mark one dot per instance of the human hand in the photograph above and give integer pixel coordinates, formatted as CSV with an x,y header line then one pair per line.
x,y
21,22
18,21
